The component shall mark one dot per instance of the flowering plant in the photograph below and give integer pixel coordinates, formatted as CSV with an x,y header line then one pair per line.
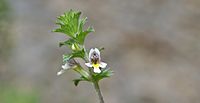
x,y
72,25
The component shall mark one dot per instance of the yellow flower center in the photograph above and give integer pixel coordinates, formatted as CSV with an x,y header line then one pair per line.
x,y
96,65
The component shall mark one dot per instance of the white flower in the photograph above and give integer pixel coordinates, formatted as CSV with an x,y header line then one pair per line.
x,y
68,65
95,60
64,67
60,72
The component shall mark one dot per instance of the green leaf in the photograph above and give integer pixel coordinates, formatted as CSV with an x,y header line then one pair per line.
x,y
82,22
66,57
74,54
104,74
80,54
69,23
71,43
81,36
68,42
72,25
84,74
101,49
76,81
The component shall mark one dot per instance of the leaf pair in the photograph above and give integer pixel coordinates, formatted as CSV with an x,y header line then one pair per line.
x,y
104,74
75,54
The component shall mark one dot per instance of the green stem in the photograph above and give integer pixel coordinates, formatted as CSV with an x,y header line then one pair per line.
x,y
96,86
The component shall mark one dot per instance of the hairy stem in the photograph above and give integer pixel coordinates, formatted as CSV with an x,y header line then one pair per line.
x,y
96,86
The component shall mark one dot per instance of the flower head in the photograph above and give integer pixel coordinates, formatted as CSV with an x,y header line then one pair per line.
x,y
68,65
95,60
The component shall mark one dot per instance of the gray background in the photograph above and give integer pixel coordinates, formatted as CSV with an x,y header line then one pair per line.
x,y
153,46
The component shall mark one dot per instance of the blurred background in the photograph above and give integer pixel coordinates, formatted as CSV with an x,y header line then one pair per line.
x,y
153,46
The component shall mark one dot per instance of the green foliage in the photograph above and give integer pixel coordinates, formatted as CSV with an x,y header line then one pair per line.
x,y
74,54
69,23
13,95
4,10
77,81
66,58
72,25
6,41
69,42
80,37
80,54
84,75
104,74
101,49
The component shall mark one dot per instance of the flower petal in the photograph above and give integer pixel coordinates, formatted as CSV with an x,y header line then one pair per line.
x,y
90,53
97,70
103,65
61,72
97,51
88,65
66,66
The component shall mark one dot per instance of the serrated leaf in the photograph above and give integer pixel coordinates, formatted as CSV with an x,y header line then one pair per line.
x,y
72,25
69,23
66,57
80,54
104,74
82,22
74,54
71,43
81,36
68,42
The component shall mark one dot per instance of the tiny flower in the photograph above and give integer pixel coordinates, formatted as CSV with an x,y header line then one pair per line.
x,y
68,65
95,60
